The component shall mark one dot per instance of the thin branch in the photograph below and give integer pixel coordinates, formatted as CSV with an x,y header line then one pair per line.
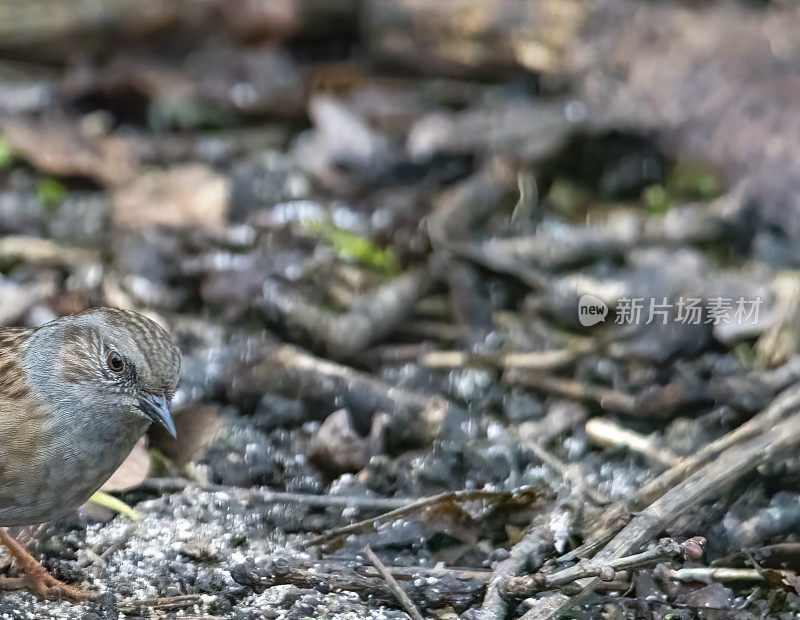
x,y
409,572
404,573
707,574
707,482
420,504
360,526
417,417
615,518
535,545
369,585
168,603
607,398
401,595
607,433
370,317
315,500
532,360
523,587
321,501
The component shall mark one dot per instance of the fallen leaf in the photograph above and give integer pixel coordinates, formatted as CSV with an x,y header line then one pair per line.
x,y
64,150
198,426
133,470
190,195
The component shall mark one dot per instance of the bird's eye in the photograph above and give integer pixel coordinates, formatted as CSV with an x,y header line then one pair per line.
x,y
115,362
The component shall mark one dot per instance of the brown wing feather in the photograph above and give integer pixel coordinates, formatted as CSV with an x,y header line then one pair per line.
x,y
12,383
22,425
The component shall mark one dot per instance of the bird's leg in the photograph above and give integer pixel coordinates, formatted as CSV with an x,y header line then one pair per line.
x,y
35,576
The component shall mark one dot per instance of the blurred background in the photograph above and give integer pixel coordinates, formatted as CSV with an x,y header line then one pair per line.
x,y
370,225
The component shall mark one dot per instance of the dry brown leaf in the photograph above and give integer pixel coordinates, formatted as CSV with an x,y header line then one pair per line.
x,y
197,426
133,470
64,150
190,195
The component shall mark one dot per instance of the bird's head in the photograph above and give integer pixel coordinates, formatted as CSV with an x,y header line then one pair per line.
x,y
107,359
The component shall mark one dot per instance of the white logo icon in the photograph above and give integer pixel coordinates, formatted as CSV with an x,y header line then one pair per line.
x,y
591,310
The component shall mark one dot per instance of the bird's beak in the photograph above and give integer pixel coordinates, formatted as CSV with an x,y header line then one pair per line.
x,y
157,407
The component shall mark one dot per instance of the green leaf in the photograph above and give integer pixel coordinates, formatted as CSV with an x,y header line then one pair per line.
x,y
117,505
6,154
50,192
656,200
351,246
694,182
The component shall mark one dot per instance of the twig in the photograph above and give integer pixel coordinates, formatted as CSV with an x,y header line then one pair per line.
x,y
168,603
368,586
786,401
401,595
409,572
321,501
279,572
522,587
424,502
440,331
533,277
417,417
586,549
385,354
357,502
370,317
404,573
37,250
723,574
553,250
561,417
707,482
532,549
607,433
617,517
533,360
607,398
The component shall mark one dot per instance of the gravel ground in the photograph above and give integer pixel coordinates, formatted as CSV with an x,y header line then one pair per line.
x,y
186,542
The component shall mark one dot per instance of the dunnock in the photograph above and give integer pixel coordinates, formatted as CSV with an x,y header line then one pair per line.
x,y
75,396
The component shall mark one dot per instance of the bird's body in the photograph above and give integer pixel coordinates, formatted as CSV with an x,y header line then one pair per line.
x,y
68,416
50,465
